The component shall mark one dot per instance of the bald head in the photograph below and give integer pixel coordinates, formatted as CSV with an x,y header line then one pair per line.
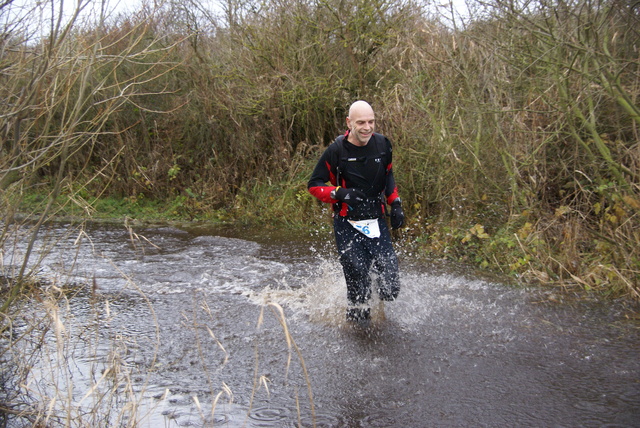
x,y
361,123
360,107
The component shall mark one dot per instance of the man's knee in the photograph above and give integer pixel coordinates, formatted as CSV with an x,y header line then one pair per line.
x,y
389,292
353,265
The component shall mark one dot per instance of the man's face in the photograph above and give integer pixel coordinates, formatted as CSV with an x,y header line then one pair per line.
x,y
362,123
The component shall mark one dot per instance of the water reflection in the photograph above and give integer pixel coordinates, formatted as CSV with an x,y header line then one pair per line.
x,y
184,310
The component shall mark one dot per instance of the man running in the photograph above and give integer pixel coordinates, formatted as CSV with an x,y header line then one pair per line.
x,y
358,167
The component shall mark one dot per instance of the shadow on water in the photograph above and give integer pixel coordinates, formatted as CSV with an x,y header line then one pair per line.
x,y
193,320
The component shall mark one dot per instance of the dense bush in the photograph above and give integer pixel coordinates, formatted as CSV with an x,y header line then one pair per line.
x,y
515,129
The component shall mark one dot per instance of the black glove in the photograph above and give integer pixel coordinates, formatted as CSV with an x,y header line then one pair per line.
x,y
349,196
397,215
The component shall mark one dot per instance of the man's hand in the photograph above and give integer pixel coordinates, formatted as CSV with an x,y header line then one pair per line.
x,y
397,215
349,196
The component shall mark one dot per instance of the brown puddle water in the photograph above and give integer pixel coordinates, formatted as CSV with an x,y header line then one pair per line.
x,y
193,326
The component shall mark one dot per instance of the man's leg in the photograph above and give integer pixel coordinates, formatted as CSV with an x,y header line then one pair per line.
x,y
356,261
385,264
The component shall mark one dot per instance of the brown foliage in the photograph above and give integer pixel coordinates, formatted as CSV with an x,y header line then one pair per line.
x,y
524,108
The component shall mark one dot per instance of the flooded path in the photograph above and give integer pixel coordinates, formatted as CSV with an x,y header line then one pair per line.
x,y
193,321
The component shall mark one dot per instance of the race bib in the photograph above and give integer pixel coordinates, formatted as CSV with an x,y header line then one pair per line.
x,y
368,228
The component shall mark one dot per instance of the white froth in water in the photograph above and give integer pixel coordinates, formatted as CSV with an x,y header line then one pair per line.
x,y
322,297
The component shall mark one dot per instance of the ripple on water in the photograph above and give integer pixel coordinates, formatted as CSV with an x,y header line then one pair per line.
x,y
323,420
267,416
